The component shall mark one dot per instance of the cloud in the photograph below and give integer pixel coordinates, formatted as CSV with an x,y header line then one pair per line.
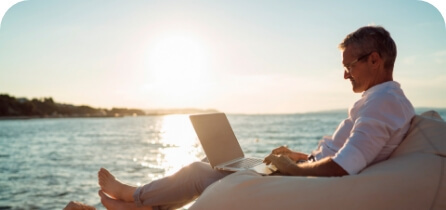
x,y
409,60
440,57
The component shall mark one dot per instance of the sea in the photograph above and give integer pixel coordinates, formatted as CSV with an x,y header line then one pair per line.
x,y
47,162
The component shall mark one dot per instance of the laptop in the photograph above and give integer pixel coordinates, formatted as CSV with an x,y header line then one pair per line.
x,y
221,147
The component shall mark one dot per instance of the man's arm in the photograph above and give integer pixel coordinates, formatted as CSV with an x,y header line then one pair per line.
x,y
324,167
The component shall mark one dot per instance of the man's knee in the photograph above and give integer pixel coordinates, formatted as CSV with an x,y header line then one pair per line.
x,y
191,169
197,168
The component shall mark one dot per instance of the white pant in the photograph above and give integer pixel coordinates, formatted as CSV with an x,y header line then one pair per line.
x,y
179,189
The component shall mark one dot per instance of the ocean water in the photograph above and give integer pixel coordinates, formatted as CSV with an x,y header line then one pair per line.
x,y
45,163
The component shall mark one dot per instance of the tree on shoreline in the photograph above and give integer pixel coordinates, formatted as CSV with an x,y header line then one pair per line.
x,y
47,107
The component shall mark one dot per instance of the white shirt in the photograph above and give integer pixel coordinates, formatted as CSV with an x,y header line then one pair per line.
x,y
376,125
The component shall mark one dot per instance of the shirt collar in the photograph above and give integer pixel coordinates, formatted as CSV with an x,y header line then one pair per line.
x,y
382,86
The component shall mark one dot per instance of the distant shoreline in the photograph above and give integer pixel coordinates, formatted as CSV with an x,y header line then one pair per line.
x,y
12,108
49,117
98,116
161,112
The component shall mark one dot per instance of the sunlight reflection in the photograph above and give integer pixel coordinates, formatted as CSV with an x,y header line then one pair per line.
x,y
180,144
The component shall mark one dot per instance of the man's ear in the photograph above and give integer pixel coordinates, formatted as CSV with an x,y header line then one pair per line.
x,y
375,59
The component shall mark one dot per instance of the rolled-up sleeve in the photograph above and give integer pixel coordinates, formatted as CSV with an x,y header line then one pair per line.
x,y
365,142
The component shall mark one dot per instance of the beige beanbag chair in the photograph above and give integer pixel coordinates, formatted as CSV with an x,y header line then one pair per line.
x,y
414,177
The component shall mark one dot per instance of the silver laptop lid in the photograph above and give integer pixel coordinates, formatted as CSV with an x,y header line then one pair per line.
x,y
217,137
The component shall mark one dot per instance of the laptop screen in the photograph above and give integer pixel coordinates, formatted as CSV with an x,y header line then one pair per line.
x,y
217,137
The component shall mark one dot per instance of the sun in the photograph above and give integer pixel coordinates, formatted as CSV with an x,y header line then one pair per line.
x,y
177,67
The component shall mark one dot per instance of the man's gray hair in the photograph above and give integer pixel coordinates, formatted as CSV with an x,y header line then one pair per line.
x,y
372,39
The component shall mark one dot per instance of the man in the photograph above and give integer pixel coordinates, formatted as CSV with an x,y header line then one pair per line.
x,y
374,128
377,122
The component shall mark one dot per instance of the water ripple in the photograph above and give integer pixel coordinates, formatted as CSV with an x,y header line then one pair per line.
x,y
45,163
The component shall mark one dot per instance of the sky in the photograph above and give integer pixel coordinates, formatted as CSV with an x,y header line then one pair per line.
x,y
250,56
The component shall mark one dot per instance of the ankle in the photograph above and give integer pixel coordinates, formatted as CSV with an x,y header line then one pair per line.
x,y
127,193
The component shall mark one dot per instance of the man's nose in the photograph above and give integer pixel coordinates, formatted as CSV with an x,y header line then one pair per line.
x,y
346,75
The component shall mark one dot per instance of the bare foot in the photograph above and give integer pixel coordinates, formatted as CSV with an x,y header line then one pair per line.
x,y
113,187
75,205
112,204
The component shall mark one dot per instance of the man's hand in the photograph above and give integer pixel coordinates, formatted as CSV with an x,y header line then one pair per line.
x,y
282,162
284,151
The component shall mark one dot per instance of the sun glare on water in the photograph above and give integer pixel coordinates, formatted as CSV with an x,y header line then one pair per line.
x,y
177,69
181,143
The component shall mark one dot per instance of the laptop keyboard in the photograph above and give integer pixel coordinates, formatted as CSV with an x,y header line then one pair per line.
x,y
245,163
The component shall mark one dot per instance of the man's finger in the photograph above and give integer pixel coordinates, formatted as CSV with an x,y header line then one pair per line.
x,y
281,150
269,159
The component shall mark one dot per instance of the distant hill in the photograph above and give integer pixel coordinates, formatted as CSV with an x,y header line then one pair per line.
x,y
11,107
47,107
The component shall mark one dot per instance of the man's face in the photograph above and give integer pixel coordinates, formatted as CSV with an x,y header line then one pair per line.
x,y
360,73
